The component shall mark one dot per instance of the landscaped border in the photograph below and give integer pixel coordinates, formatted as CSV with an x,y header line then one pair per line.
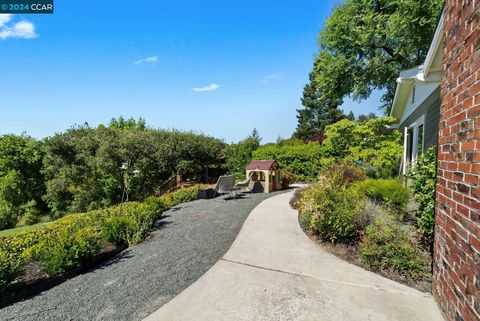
x,y
77,242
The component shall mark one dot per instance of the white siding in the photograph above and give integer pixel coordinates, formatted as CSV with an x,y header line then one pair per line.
x,y
422,91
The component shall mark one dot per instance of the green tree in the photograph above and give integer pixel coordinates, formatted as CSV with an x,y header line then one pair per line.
x,y
350,116
371,144
83,166
240,154
365,44
364,118
317,112
131,123
302,160
21,180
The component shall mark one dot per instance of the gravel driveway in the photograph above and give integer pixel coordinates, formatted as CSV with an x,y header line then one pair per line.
x,y
144,277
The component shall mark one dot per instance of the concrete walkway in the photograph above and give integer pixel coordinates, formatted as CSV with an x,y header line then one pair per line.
x,y
273,271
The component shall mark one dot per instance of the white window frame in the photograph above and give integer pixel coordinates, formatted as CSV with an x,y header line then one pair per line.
x,y
414,148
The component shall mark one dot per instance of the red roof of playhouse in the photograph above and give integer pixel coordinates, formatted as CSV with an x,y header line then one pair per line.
x,y
260,165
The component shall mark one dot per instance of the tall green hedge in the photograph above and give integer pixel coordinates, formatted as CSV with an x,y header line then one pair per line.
x,y
303,160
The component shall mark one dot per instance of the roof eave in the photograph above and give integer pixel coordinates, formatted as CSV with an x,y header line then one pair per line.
x,y
434,46
401,94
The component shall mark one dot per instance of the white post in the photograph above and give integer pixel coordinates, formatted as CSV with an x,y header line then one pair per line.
x,y
405,149
415,145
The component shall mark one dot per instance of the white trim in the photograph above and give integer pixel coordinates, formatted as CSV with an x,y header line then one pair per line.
x,y
405,145
413,161
416,125
435,45
420,121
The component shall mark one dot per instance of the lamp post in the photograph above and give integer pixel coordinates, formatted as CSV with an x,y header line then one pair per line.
x,y
135,172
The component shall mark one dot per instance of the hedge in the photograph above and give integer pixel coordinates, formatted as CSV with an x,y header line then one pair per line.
x,y
76,238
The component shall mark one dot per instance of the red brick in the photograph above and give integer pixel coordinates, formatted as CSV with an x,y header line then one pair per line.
x,y
467,146
471,179
474,242
456,262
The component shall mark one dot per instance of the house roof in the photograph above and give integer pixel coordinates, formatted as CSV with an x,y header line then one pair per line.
x,y
405,83
434,60
429,72
260,165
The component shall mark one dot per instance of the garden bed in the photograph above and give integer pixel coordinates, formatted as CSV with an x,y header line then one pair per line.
x,y
351,254
41,258
368,222
34,280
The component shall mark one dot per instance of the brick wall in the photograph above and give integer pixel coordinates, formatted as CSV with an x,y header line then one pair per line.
x,y
456,270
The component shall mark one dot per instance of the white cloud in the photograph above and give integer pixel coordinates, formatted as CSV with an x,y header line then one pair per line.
x,y
21,29
211,87
147,60
269,78
4,18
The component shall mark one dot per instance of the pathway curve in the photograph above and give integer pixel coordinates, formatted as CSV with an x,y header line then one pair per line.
x,y
273,271
144,277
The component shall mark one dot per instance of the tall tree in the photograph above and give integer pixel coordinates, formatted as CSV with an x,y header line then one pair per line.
x,y
365,44
240,154
21,181
317,111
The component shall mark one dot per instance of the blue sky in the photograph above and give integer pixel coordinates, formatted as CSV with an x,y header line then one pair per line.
x,y
217,67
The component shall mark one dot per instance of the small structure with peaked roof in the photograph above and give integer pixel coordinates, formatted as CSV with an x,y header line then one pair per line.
x,y
264,175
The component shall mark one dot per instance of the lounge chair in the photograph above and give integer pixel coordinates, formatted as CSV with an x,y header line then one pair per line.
x,y
225,184
246,184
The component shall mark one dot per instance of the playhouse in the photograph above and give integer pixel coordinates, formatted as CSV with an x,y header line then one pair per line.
x,y
264,176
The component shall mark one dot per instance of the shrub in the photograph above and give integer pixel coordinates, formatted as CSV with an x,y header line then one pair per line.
x,y
31,212
76,238
302,160
287,179
8,215
295,200
131,222
119,229
181,196
157,205
385,245
388,191
240,154
65,248
335,212
343,174
424,176
304,219
369,143
10,267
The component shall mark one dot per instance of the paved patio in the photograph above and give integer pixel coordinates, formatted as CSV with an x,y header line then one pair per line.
x,y
273,271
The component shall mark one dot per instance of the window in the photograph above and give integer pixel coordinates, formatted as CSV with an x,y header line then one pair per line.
x,y
413,94
413,144
409,146
420,140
